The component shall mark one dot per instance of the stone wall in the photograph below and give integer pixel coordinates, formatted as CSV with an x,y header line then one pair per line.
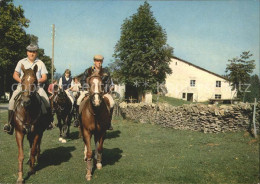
x,y
197,117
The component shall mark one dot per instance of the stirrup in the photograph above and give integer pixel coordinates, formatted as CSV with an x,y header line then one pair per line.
x,y
9,129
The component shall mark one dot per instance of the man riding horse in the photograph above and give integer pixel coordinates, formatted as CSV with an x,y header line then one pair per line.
x,y
41,75
106,80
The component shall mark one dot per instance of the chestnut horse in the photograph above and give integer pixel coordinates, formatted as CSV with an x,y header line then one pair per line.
x,y
28,119
63,108
94,120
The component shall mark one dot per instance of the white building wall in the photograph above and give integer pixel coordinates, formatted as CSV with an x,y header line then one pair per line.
x,y
205,83
120,88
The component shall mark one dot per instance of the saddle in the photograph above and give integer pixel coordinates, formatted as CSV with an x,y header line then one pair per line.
x,y
83,104
110,99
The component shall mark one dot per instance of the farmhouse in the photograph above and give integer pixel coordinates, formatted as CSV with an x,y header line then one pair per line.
x,y
193,83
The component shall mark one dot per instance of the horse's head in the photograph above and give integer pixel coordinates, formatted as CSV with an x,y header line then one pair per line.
x,y
96,89
61,96
29,84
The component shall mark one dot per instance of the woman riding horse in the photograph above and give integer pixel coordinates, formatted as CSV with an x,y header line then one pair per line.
x,y
65,83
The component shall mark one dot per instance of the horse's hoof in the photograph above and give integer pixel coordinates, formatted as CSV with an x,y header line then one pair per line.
x,y
21,181
99,166
63,141
88,177
60,139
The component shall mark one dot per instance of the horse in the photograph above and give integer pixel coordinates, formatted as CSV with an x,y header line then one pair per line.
x,y
63,108
95,117
28,119
76,111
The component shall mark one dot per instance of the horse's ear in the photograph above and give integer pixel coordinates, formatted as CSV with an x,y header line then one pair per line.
x,y
23,69
35,69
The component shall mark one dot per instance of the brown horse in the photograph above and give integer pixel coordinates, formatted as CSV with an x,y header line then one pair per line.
x,y
95,119
28,120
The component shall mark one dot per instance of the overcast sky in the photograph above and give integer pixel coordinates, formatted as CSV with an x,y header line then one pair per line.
x,y
205,33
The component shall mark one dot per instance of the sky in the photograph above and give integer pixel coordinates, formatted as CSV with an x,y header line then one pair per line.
x,y
205,33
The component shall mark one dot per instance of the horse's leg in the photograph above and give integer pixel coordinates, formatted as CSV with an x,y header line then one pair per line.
x,y
30,143
88,154
19,140
99,140
60,127
38,149
64,128
69,123
34,150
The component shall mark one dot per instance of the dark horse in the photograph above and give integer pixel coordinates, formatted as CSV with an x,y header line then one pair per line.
x,y
28,119
95,119
63,108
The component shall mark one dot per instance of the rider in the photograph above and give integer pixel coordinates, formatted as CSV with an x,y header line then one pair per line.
x,y
76,87
51,88
41,75
65,83
106,79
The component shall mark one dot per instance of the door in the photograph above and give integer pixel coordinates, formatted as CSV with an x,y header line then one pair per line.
x,y
190,97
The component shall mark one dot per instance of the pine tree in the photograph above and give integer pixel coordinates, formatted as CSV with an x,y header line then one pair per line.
x,y
142,54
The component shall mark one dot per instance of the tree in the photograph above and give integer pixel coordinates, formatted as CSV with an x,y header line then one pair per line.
x,y
239,70
142,54
254,89
13,40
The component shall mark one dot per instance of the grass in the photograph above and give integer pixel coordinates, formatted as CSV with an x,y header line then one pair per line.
x,y
170,100
140,153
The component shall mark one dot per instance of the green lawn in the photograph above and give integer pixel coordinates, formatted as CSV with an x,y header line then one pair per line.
x,y
140,153
170,100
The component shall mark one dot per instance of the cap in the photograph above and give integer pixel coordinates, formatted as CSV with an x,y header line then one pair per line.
x,y
98,57
32,47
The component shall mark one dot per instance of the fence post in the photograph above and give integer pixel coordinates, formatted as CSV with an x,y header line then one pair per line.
x,y
255,133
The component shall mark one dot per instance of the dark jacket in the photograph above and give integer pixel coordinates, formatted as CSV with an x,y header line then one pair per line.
x,y
66,84
105,75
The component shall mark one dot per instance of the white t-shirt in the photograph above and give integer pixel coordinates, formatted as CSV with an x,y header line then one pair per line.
x,y
27,64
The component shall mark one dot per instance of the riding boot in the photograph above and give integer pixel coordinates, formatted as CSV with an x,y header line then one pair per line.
x,y
9,127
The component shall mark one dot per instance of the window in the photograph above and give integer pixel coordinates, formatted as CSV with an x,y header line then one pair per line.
x,y
192,83
176,63
184,95
217,96
218,84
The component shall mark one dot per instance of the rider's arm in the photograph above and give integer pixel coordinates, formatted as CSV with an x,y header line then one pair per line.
x,y
43,79
84,77
111,87
16,76
50,88
60,83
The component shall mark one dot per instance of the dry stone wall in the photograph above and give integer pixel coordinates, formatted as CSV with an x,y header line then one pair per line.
x,y
197,117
